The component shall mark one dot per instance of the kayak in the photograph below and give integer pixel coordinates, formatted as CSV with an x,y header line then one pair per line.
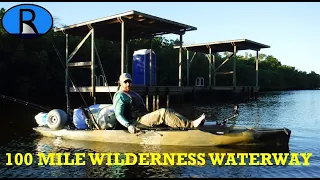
x,y
219,133
48,144
208,135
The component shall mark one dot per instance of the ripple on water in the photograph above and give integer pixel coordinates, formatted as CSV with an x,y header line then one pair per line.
x,y
296,110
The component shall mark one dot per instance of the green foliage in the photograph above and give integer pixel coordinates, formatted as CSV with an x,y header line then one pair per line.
x,y
32,67
2,31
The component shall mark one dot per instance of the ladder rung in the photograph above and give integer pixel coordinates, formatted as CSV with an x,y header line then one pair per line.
x,y
81,64
98,89
229,72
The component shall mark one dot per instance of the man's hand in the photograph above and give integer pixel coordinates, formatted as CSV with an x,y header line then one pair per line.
x,y
132,129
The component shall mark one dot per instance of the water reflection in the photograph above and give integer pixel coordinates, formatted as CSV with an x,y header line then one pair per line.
x,y
44,144
296,110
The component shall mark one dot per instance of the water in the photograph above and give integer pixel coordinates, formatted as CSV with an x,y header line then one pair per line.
x,y
296,110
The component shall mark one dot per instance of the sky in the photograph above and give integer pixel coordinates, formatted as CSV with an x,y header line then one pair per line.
x,y
291,29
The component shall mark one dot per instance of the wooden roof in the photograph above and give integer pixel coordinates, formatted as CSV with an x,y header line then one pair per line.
x,y
223,46
137,25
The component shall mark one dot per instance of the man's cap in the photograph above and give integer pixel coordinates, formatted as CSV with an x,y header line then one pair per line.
x,y
125,76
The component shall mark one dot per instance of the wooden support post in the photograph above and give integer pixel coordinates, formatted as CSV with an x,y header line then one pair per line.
x,y
188,67
228,58
147,98
147,101
123,40
180,60
153,102
257,67
93,84
79,45
157,90
67,76
150,64
214,69
210,67
127,56
234,65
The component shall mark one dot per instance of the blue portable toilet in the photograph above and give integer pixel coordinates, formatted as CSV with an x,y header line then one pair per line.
x,y
141,67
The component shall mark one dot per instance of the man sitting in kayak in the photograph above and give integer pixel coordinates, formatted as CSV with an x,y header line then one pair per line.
x,y
131,112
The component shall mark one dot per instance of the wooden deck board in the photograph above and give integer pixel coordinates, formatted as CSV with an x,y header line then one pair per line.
x,y
162,90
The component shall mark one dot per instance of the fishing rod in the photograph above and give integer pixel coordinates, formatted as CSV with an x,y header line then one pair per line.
x,y
142,130
74,85
234,114
35,106
104,75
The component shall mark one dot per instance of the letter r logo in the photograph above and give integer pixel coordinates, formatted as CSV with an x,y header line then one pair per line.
x,y
26,24
27,21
